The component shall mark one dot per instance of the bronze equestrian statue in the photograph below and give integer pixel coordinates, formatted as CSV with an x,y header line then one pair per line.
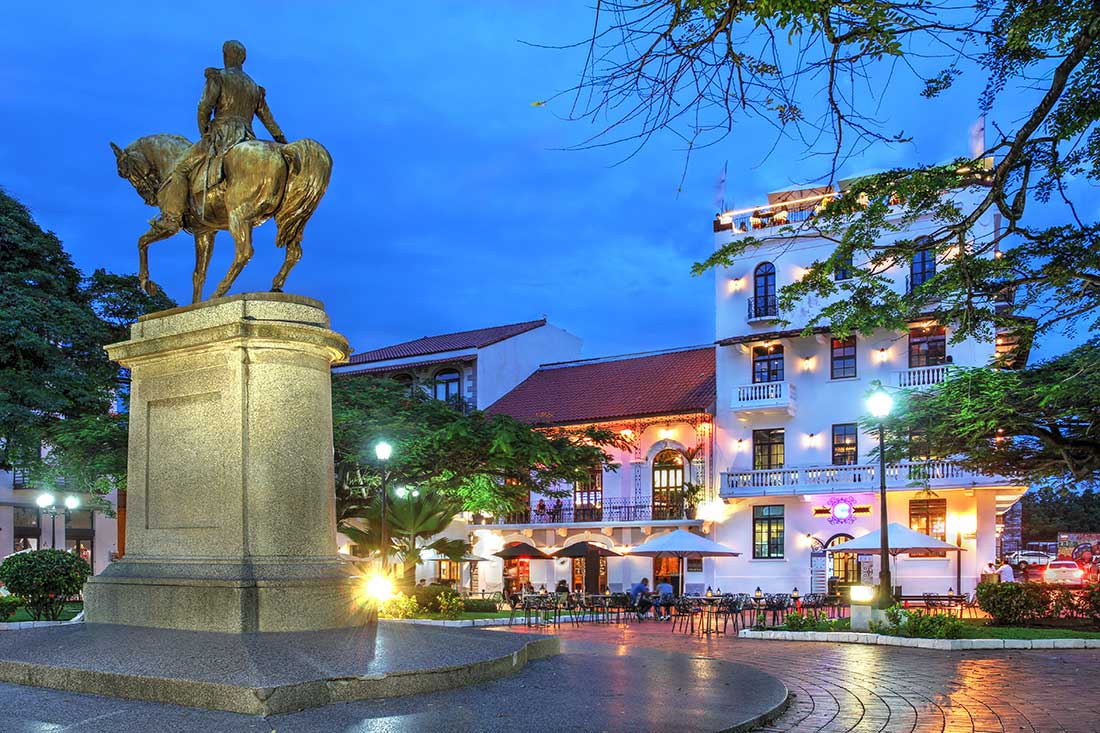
x,y
228,179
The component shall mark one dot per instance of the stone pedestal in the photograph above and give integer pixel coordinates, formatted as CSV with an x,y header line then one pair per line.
x,y
230,509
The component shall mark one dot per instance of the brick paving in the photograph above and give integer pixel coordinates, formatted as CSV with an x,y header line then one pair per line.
x,y
850,687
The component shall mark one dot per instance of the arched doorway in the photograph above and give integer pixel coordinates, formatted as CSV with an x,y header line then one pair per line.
x,y
668,485
844,566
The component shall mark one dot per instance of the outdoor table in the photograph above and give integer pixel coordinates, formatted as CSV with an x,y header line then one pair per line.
x,y
710,613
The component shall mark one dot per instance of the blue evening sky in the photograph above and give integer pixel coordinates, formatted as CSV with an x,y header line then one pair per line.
x,y
451,204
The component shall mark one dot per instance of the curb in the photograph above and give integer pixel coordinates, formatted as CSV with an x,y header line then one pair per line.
x,y
17,625
844,637
449,624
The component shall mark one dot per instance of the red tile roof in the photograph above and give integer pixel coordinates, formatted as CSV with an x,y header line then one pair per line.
x,y
668,383
394,368
476,339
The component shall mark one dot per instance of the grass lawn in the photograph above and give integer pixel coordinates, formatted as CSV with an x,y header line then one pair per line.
x,y
976,629
70,610
466,615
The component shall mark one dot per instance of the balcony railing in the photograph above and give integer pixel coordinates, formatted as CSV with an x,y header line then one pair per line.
x,y
608,511
764,396
763,307
921,376
825,479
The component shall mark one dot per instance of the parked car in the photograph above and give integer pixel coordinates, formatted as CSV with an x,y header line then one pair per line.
x,y
1023,558
1064,572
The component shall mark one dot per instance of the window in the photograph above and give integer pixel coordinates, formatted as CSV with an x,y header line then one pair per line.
x,y
450,571
767,364
767,448
84,549
767,532
843,358
447,384
668,485
927,346
25,528
845,444
922,268
79,520
843,268
929,516
588,498
695,564
763,291
405,380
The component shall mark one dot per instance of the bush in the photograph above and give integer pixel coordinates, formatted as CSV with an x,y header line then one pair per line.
x,y
45,579
399,606
1065,603
428,596
450,605
918,623
1013,604
810,621
479,605
1089,603
8,606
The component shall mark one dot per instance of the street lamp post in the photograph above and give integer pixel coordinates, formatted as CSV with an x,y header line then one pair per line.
x,y
880,404
48,503
383,451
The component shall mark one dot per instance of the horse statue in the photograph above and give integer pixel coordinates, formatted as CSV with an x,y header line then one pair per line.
x,y
261,179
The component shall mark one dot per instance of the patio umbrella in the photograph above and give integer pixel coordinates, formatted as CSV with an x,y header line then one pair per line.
x,y
584,549
522,550
902,541
433,556
681,544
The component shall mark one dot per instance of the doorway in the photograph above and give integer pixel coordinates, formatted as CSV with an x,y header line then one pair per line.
x,y
517,574
667,570
589,583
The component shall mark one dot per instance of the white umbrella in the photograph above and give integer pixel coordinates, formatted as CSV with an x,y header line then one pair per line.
x,y
433,556
682,544
901,540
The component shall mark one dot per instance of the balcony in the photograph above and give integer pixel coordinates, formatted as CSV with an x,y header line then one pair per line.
x,y
908,475
765,397
609,511
763,308
920,376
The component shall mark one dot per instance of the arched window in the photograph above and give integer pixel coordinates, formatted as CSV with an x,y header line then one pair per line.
x,y
405,380
446,385
763,291
844,566
668,485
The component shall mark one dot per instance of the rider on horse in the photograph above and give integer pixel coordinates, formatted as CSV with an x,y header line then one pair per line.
x,y
233,98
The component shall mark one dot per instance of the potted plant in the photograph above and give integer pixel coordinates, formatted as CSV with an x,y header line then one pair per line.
x,y
692,494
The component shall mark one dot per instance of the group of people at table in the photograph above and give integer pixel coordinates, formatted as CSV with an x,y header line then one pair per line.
x,y
643,599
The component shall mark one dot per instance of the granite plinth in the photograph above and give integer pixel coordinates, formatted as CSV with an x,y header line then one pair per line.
x,y
230,521
262,673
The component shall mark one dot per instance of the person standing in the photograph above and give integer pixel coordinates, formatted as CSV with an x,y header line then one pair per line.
x,y
1005,571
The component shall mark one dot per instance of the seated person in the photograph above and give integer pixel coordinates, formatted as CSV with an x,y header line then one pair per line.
x,y
665,601
639,596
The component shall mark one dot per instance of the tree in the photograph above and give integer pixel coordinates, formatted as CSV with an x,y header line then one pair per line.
x,y
820,73
466,461
1049,510
1039,423
56,383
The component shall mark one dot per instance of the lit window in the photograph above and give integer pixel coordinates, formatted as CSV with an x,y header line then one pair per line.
x,y
929,516
668,485
588,498
843,358
767,448
764,302
767,532
767,364
927,346
845,444
922,268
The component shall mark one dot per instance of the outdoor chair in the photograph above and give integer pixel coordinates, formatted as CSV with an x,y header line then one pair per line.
x,y
969,605
686,611
516,604
932,602
776,604
620,604
729,609
813,602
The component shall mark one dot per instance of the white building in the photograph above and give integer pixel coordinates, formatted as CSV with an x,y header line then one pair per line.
x,y
23,525
797,475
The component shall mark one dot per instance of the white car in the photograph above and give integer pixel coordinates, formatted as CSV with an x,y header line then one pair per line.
x,y
1029,557
1064,572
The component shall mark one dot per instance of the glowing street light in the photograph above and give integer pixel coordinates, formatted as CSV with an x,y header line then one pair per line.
x,y
879,404
383,451
71,502
379,588
44,500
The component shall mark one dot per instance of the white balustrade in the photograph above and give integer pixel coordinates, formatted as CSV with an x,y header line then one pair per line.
x,y
763,394
921,376
817,479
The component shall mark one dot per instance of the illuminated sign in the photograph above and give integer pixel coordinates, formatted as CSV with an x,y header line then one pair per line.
x,y
842,510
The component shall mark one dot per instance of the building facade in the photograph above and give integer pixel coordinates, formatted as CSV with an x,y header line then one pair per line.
x,y
798,469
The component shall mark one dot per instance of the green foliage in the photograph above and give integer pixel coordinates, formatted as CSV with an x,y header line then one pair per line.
x,y
8,606
918,623
53,324
479,605
430,597
1089,603
1035,423
399,606
450,605
812,621
1048,510
1013,604
45,579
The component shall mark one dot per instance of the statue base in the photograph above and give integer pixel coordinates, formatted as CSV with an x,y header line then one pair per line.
x,y
230,503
